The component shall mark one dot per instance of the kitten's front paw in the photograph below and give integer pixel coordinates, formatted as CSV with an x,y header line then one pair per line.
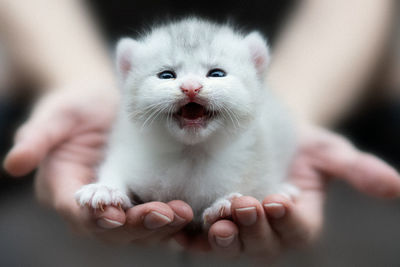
x,y
221,208
289,190
97,196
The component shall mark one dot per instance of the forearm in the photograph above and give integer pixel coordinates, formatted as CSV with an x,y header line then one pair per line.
x,y
55,42
326,55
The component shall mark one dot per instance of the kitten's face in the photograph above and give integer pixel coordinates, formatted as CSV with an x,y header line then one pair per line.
x,y
192,79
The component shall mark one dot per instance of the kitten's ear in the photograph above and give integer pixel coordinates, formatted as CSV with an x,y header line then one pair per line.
x,y
259,51
125,50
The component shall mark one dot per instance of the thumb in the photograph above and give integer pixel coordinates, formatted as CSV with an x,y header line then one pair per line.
x,y
363,171
372,176
34,140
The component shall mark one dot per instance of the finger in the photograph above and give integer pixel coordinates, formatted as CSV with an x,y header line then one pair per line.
x,y
148,220
109,225
223,237
183,214
365,172
194,243
33,142
104,225
298,223
110,218
374,177
146,223
254,229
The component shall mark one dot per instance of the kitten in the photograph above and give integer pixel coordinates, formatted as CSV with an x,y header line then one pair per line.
x,y
196,122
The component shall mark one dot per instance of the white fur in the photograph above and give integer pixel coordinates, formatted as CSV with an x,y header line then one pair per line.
x,y
221,208
246,149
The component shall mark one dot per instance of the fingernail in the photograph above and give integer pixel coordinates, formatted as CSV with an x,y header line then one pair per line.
x,y
177,221
275,210
155,220
224,241
108,224
247,216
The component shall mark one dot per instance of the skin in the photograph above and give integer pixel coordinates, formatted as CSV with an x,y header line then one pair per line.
x,y
64,139
35,34
328,49
64,136
289,223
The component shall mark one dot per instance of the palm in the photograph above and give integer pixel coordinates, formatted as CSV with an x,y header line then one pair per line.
x,y
71,164
320,155
65,138
311,182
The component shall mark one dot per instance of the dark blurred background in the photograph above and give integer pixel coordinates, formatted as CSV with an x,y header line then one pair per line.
x,y
359,231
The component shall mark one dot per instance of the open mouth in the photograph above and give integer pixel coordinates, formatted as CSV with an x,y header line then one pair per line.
x,y
193,115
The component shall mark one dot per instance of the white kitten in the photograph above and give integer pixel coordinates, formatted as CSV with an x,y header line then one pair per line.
x,y
196,122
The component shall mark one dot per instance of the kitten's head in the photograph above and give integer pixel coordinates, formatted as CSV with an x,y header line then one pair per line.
x,y
193,78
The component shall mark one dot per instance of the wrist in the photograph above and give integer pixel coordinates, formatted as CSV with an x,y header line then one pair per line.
x,y
76,97
104,88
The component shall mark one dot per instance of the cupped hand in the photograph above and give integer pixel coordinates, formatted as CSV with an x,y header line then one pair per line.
x,y
265,230
64,138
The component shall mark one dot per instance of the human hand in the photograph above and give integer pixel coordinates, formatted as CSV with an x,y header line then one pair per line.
x,y
265,230
64,138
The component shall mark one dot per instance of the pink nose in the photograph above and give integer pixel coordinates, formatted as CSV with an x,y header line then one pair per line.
x,y
191,88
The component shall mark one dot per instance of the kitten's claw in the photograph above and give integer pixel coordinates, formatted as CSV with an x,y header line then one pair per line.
x,y
97,196
221,214
221,208
290,191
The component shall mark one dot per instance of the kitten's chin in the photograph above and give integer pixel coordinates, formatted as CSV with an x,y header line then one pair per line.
x,y
193,132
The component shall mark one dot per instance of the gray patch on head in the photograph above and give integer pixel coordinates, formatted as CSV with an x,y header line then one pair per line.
x,y
191,34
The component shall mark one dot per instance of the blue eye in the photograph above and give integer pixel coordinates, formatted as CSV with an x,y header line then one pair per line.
x,y
167,74
215,73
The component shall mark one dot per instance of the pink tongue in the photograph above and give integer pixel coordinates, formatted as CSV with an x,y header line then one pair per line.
x,y
192,111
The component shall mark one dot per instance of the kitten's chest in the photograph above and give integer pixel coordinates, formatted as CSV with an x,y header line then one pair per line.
x,y
195,180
